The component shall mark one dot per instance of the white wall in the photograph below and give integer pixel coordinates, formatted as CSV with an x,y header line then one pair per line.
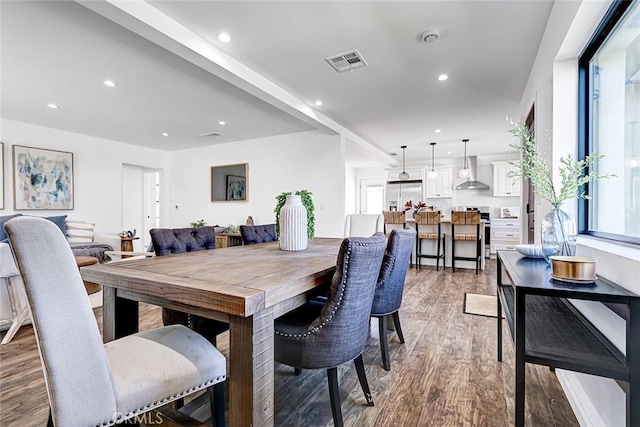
x,y
301,161
552,85
97,163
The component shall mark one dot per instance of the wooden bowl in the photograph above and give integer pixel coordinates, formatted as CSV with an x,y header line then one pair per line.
x,y
573,269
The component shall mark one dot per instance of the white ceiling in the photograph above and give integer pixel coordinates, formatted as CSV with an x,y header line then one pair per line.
x,y
61,53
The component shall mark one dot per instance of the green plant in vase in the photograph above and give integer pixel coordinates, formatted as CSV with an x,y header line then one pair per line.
x,y
558,228
307,202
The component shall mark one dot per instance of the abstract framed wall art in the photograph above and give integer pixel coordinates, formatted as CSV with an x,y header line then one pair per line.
x,y
42,179
236,187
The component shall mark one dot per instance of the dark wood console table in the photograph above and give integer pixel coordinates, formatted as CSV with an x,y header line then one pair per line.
x,y
548,330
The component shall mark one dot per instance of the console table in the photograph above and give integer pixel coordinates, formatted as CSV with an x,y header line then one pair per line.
x,y
227,240
548,330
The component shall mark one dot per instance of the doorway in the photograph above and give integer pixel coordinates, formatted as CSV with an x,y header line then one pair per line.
x,y
371,196
529,194
141,194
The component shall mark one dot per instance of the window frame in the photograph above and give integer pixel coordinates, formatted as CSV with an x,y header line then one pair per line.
x,y
613,16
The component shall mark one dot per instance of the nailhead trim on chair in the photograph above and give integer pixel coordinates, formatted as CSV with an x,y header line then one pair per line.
x,y
122,417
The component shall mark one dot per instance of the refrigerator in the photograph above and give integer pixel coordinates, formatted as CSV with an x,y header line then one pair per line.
x,y
397,193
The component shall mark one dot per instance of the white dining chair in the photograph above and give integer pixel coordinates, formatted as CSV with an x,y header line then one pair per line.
x,y
363,225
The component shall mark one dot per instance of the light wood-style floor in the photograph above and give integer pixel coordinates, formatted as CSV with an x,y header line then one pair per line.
x,y
445,375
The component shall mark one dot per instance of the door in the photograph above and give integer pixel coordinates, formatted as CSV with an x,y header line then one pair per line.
x,y
371,196
140,202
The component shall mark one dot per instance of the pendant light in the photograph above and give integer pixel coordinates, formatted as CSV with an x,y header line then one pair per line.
x,y
433,174
465,172
403,176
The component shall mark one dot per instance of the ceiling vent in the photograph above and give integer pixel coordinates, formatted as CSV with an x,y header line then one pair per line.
x,y
210,134
347,61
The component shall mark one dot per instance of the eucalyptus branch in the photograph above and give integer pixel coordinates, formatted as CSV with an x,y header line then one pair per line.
x,y
574,174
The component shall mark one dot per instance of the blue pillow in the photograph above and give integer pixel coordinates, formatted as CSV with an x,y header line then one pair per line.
x,y
3,219
60,222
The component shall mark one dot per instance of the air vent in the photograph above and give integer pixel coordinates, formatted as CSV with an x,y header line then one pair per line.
x,y
346,61
393,154
210,135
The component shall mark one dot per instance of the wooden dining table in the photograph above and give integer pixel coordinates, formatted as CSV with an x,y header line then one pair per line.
x,y
246,286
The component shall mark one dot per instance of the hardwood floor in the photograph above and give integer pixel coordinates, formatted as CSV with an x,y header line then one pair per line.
x,y
446,374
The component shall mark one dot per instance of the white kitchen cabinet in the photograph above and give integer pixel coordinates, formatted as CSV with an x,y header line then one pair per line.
x,y
503,184
442,186
505,233
392,175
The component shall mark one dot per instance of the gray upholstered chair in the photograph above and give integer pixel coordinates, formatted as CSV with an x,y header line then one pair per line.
x,y
252,234
168,241
317,336
388,296
95,384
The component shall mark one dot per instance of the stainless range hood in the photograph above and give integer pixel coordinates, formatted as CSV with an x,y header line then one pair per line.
x,y
472,183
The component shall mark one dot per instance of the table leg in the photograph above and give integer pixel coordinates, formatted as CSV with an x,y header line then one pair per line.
x,y
520,350
499,314
119,315
251,370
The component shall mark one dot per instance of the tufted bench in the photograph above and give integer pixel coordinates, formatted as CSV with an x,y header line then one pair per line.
x,y
179,240
252,234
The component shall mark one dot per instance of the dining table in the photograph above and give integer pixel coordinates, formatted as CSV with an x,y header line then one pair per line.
x,y
246,286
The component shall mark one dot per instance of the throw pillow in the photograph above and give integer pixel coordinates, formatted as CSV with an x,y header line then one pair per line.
x,y
59,221
3,219
79,231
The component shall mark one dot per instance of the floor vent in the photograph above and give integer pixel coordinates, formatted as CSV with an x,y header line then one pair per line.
x,y
347,61
210,134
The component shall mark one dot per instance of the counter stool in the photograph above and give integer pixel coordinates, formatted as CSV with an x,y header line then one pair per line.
x,y
393,218
431,219
466,219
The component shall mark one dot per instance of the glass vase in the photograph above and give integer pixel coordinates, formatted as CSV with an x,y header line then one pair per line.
x,y
558,233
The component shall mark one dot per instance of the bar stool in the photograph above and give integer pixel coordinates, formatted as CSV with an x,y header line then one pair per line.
x,y
431,219
393,218
467,219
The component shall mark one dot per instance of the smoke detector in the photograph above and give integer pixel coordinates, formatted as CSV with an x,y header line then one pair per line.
x,y
430,36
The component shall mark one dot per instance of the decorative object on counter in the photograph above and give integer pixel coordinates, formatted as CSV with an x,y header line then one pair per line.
x,y
293,224
198,223
530,251
232,229
433,174
307,202
573,269
127,234
249,220
558,228
465,172
408,206
403,176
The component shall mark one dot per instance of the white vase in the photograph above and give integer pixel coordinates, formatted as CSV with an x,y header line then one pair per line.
x,y
293,225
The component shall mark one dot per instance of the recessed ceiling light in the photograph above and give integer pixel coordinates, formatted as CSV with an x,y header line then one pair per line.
x,y
318,103
110,83
448,152
443,77
54,106
222,123
437,131
164,134
224,37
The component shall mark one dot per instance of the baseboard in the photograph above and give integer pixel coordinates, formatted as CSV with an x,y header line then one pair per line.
x,y
583,408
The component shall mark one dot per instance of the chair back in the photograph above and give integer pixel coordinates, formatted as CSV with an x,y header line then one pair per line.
x,y
363,225
427,217
252,234
339,334
179,240
394,217
388,295
73,358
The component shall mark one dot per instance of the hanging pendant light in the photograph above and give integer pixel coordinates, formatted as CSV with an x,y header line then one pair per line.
x,y
403,176
465,172
433,174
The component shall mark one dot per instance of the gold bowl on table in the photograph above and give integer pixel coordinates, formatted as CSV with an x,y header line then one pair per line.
x,y
573,269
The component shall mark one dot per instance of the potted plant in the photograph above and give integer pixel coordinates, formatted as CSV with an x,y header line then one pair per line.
x,y
198,223
307,202
558,228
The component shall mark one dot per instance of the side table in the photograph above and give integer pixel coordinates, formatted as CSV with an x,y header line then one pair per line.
x,y
126,245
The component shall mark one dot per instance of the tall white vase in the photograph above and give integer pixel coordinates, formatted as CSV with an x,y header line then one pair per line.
x,y
293,225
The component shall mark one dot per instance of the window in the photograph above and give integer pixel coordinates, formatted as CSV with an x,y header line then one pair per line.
x,y
609,123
